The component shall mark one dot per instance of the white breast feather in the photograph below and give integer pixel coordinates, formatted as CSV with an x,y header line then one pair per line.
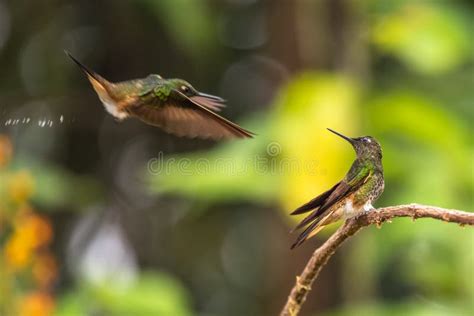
x,y
350,211
111,107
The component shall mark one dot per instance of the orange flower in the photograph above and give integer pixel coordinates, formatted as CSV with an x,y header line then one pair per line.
x,y
17,252
31,232
36,229
36,304
21,186
45,270
6,150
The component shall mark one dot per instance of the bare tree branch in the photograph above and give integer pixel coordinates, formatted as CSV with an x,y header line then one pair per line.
x,y
321,255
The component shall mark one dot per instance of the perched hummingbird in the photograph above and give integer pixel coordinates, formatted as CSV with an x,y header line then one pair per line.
x,y
172,104
362,185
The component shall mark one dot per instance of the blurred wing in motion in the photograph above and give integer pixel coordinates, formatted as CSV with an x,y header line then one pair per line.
x,y
190,118
210,102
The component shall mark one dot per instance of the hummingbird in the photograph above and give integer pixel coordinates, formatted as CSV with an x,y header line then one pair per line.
x,y
171,104
361,186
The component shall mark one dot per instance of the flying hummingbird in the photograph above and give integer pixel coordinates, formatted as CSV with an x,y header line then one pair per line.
x,y
171,104
362,185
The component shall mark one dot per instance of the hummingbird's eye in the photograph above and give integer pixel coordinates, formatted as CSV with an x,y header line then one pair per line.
x,y
185,89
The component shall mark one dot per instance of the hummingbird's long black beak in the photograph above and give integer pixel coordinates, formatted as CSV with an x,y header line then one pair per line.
x,y
211,97
350,140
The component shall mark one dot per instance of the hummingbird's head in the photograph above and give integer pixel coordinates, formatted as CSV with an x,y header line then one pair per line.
x,y
186,89
365,146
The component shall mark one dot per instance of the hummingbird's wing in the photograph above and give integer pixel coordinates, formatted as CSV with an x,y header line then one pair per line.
x,y
357,175
314,203
189,118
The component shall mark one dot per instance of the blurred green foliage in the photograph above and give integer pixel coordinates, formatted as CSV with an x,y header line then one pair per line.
x,y
193,33
408,309
429,37
151,294
436,149
225,174
58,188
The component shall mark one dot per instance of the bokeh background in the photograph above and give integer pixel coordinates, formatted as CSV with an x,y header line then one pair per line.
x,y
106,218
